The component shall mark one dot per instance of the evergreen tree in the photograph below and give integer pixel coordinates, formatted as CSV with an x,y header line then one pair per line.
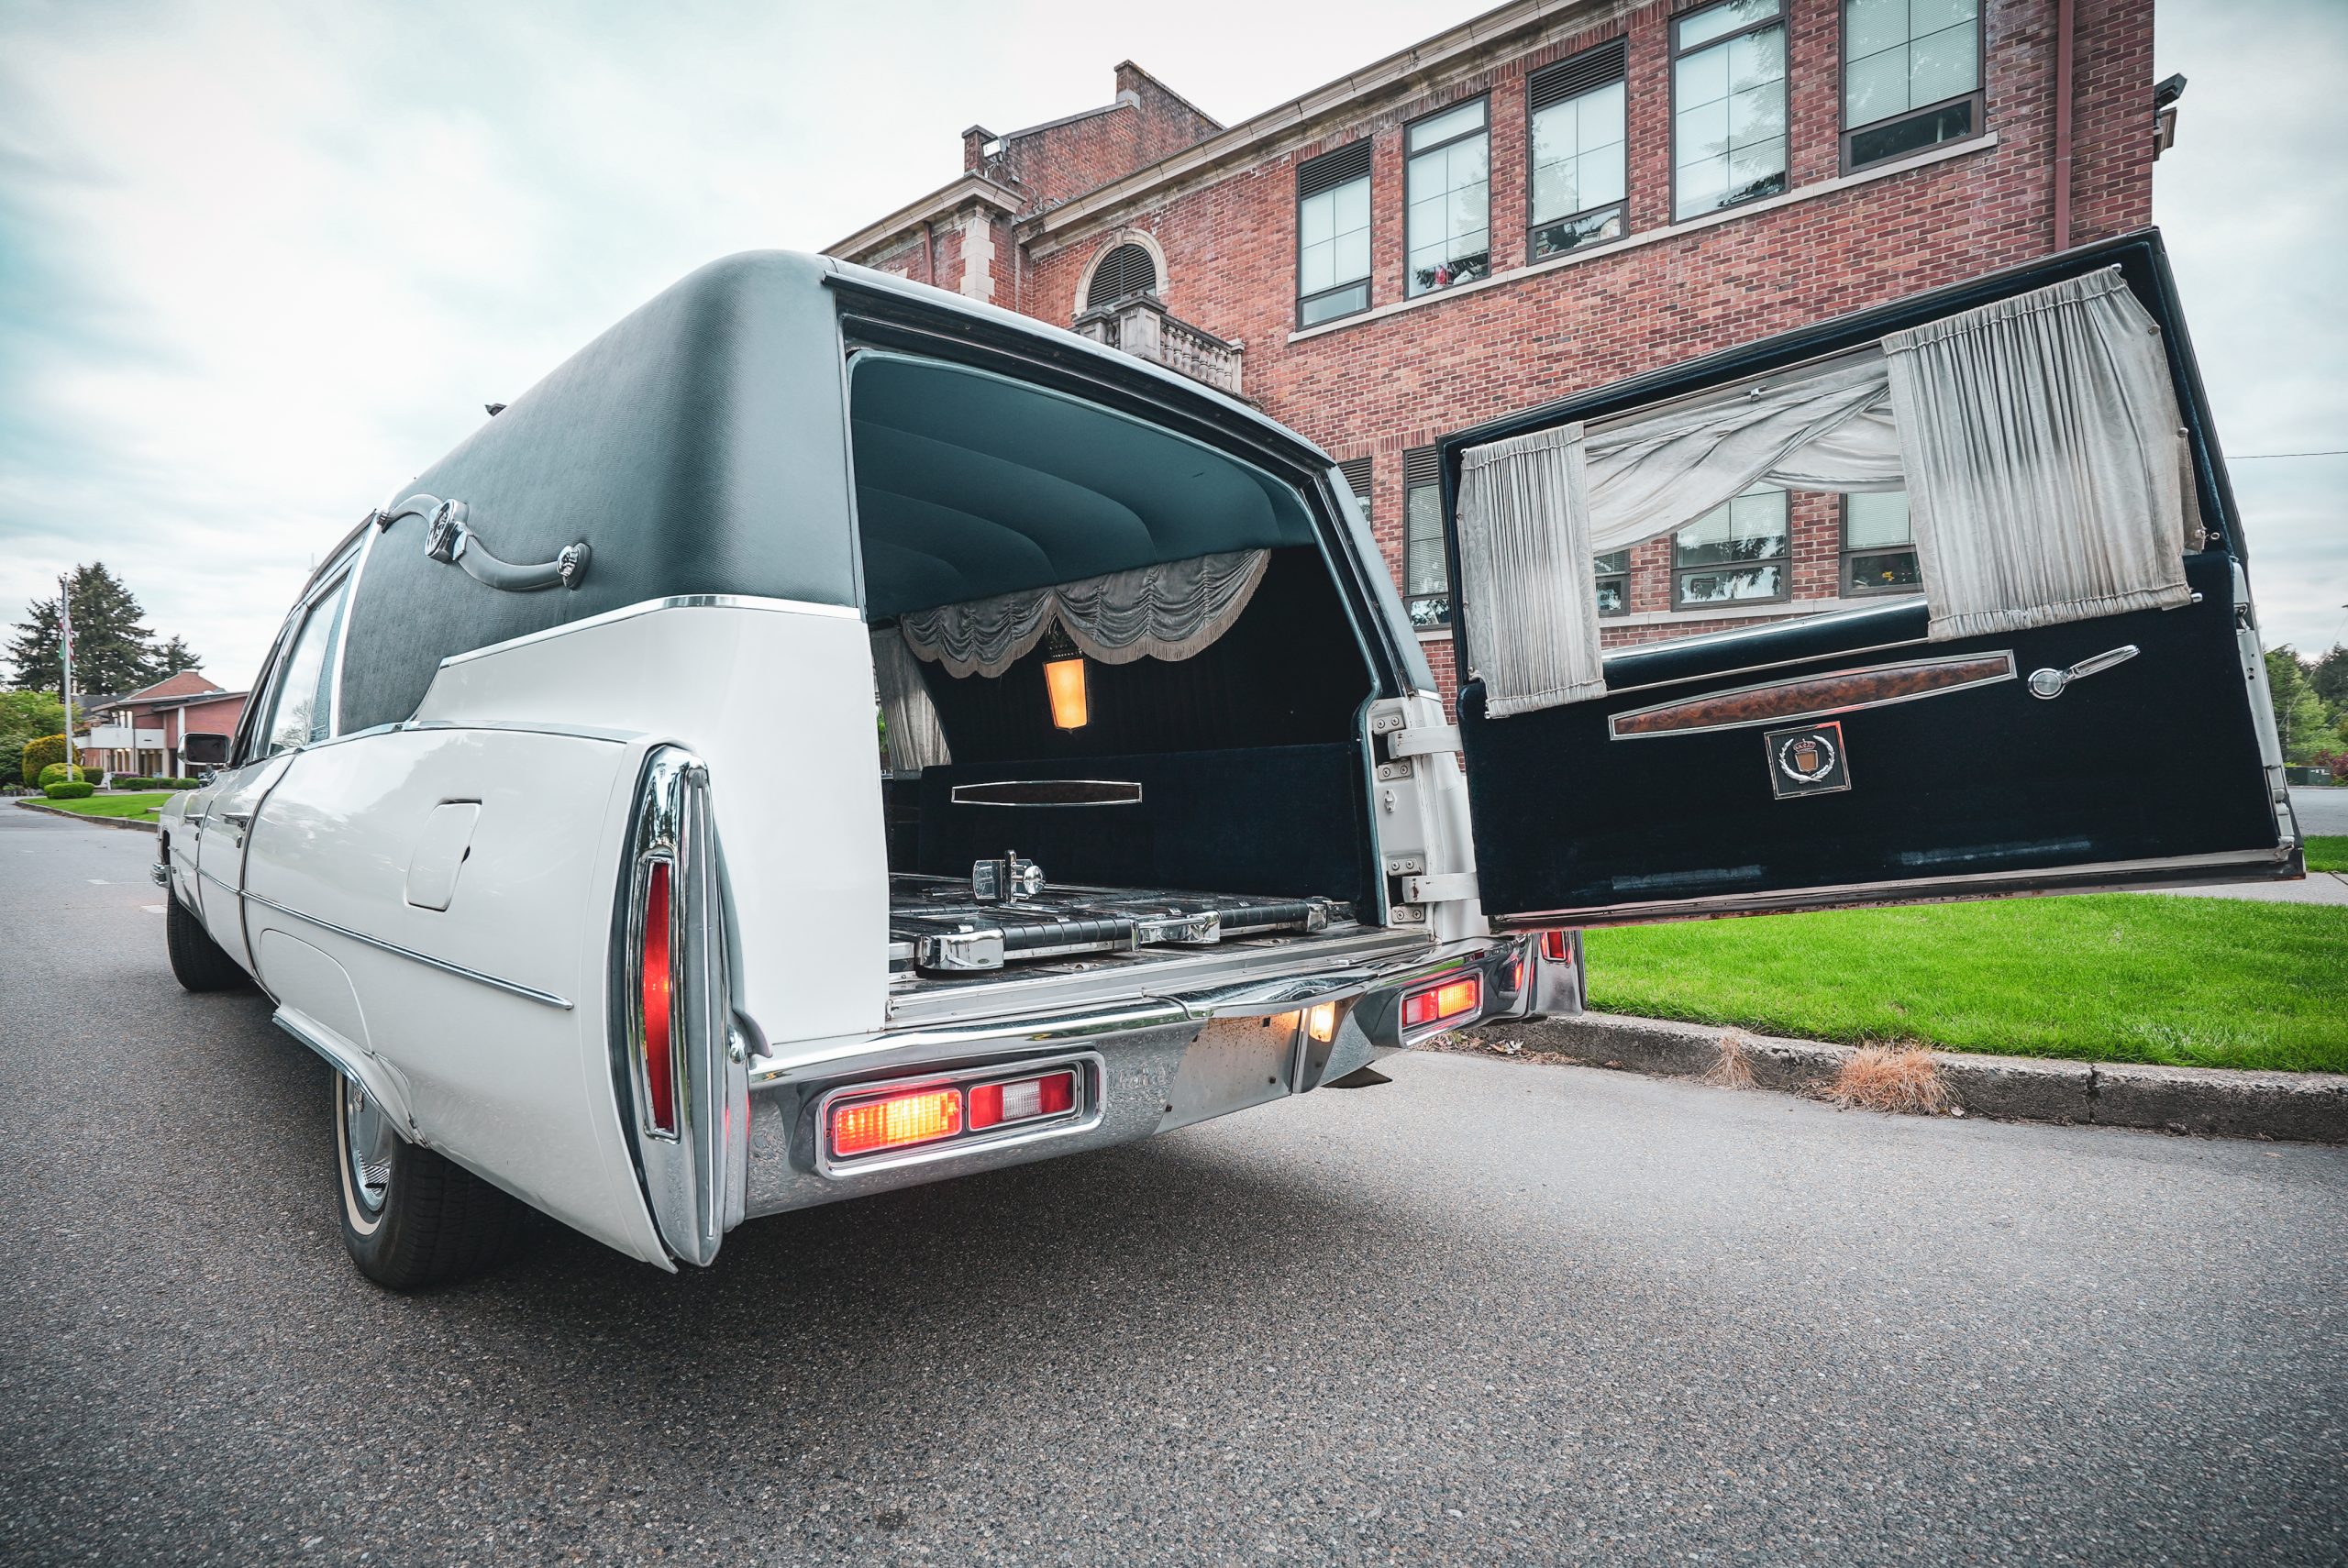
x,y
2330,678
172,657
112,650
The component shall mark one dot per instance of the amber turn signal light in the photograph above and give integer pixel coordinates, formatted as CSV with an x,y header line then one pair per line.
x,y
895,1121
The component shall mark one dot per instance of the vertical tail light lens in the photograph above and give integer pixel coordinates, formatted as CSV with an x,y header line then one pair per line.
x,y
895,1121
1557,946
657,986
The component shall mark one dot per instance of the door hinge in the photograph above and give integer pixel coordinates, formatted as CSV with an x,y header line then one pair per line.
x,y
1425,741
1439,887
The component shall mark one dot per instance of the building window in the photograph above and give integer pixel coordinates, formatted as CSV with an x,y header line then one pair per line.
x,y
1447,186
1912,76
1127,270
1613,582
1728,95
1332,234
1879,545
1356,472
1737,551
1426,579
1577,152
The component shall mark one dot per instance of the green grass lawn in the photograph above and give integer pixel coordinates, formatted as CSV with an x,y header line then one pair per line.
x,y
2328,852
140,804
2111,977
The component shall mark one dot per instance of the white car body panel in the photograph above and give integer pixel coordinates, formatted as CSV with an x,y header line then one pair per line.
x,y
777,698
518,1089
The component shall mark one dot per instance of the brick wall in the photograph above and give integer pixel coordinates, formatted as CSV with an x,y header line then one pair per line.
x,y
1378,384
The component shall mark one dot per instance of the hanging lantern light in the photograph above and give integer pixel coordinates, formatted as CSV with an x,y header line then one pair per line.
x,y
1064,680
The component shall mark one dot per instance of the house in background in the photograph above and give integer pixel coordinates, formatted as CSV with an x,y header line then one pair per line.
x,y
1552,196
143,734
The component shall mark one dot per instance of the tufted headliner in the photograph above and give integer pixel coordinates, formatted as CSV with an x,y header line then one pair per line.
x,y
968,485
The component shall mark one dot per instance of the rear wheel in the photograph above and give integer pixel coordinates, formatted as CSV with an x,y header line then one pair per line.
x,y
410,1218
197,961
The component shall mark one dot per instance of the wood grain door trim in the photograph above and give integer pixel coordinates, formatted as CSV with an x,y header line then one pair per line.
x,y
1814,696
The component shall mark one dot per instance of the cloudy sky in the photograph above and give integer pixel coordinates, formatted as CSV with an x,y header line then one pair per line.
x,y
260,263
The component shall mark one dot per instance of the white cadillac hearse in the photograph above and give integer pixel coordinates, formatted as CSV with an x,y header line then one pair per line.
x,y
559,826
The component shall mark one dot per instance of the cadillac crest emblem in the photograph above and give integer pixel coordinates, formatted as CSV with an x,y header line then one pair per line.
x,y
1807,761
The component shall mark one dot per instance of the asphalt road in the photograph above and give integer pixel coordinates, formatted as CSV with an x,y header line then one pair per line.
x,y
1495,1312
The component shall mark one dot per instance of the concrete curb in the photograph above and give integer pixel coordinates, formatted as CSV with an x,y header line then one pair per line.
x,y
47,810
2310,1108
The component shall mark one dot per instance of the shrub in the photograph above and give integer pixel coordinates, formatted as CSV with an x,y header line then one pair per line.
x,y
39,754
62,772
71,790
176,783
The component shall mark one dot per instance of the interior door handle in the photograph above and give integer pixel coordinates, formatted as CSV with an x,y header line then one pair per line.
x,y
2049,683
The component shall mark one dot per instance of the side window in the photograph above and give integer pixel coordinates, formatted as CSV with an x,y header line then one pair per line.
x,y
1737,551
1912,76
301,704
1356,472
1447,191
1728,96
1332,234
1879,544
1577,152
1426,578
1613,574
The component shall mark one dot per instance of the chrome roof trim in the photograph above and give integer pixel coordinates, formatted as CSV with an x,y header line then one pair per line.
x,y
511,988
648,606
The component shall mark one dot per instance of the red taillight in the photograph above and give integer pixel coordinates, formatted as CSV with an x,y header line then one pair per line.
x,y
1023,1100
660,1067
1443,1003
895,1121
1557,946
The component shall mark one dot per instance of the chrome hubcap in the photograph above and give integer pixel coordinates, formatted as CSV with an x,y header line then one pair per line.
x,y
367,1134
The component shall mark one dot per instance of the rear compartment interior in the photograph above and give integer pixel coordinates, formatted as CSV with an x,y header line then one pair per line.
x,y
1245,755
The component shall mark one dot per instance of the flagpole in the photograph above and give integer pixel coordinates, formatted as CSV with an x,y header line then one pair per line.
x,y
65,651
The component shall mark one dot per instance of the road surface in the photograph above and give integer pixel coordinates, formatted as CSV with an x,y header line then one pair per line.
x,y
1494,1312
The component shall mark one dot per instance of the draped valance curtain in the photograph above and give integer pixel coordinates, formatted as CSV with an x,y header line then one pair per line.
x,y
2036,438
1169,610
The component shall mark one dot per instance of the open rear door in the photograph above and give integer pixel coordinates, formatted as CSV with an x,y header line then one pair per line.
x,y
1855,757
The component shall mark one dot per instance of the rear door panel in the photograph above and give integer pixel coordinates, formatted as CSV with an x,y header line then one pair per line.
x,y
1940,775
1954,790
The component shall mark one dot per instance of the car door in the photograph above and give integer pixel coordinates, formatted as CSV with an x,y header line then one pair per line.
x,y
1853,758
294,707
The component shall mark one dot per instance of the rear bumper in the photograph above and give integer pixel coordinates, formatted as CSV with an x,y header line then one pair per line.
x,y
1152,1066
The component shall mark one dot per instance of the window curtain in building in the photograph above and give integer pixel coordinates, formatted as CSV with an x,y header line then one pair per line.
x,y
909,720
2040,435
1169,610
1534,508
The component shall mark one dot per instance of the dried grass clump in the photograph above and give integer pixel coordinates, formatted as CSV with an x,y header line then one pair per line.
x,y
1734,1068
1895,1078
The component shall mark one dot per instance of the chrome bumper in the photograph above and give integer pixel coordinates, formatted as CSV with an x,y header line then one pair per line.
x,y
1160,1065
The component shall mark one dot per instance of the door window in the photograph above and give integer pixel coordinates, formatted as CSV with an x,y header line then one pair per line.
x,y
301,703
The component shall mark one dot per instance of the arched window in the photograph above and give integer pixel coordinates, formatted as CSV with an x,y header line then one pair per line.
x,y
1124,271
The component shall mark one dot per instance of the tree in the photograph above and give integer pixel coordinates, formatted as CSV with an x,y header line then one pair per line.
x,y
24,716
2301,719
170,659
39,753
2330,678
112,651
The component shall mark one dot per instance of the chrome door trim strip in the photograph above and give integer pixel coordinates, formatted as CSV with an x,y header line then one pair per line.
x,y
648,606
1614,721
2274,865
528,993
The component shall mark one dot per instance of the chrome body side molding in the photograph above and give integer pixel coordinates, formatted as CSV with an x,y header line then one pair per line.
x,y
652,606
511,988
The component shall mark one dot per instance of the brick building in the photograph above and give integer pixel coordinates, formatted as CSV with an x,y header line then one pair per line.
x,y
144,733
1551,196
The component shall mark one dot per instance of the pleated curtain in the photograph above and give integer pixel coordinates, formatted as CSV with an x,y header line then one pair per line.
x,y
1169,610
